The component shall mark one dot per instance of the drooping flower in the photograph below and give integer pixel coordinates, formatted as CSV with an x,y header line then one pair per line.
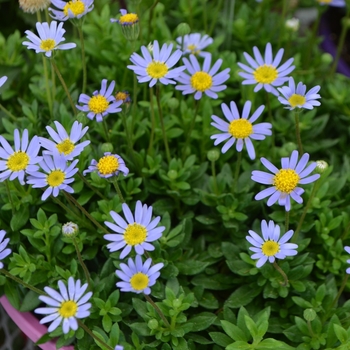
x,y
32,6
3,80
347,249
270,246
49,39
129,24
335,3
70,9
203,80
15,163
138,277
240,129
4,252
296,97
136,233
107,166
65,306
65,144
194,44
158,67
57,174
285,181
265,72
101,103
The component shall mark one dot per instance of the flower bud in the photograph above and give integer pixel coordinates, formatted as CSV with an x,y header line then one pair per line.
x,y
292,24
213,155
182,29
32,6
309,314
321,166
153,324
172,174
326,58
70,229
107,147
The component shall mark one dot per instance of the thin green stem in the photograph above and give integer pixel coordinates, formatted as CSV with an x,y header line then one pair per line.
x,y
162,124
150,19
153,122
213,173
86,271
345,27
205,16
312,334
81,37
238,168
189,133
87,330
47,86
269,111
159,311
306,208
9,195
282,22
117,188
105,128
275,265
87,214
8,113
286,225
215,17
87,183
54,66
297,131
24,284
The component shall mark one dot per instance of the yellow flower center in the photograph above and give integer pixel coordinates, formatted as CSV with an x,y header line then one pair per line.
x,y
98,104
129,18
297,100
135,234
201,81
193,49
240,128
18,161
265,74
77,7
47,44
139,281
55,178
66,147
270,248
157,69
107,165
286,180
68,309
121,96
324,1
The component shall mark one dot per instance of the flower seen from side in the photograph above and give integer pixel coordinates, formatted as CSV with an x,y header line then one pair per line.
x,y
270,246
136,232
138,277
240,129
297,97
202,80
123,96
4,251
101,103
57,175
194,44
49,39
65,143
32,6
65,306
284,182
129,24
335,3
70,9
266,72
107,166
16,163
70,229
3,80
347,249
157,68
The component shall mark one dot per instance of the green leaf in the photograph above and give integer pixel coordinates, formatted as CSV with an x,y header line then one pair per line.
x,y
191,267
253,329
233,331
341,333
19,219
243,295
302,302
202,321
30,302
240,345
12,295
269,343
220,338
114,334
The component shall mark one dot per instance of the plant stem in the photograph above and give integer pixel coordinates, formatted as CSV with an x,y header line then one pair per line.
x,y
81,37
86,272
105,128
312,334
213,173
162,124
87,330
297,131
117,188
87,183
54,66
238,167
47,86
286,226
8,113
269,111
159,311
91,218
153,122
9,195
282,23
301,220
275,265
150,19
215,17
24,284
188,136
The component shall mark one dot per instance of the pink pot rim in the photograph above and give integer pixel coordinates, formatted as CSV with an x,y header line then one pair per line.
x,y
29,325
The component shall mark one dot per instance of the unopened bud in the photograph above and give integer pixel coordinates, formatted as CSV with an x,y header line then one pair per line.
x,y
213,155
292,24
321,166
182,29
70,229
107,147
